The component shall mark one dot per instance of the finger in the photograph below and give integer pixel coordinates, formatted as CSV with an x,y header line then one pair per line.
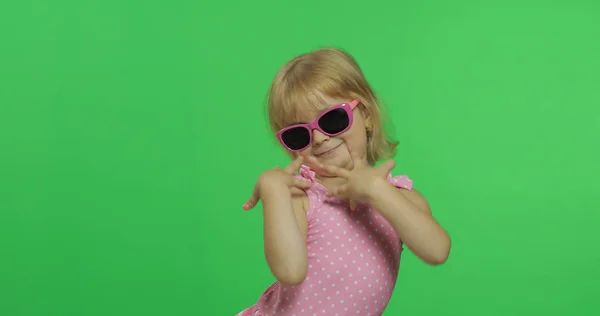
x,y
313,160
297,191
339,191
319,167
314,163
292,167
353,205
356,158
252,201
301,184
337,171
387,166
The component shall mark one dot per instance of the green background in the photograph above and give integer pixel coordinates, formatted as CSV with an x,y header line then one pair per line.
x,y
131,133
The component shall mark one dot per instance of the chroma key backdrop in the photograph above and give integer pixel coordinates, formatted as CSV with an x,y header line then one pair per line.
x,y
132,132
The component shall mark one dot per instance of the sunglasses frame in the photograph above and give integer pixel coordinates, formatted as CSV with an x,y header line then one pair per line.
x,y
348,107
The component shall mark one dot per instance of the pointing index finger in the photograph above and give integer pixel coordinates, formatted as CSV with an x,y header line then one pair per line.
x,y
292,167
340,172
356,159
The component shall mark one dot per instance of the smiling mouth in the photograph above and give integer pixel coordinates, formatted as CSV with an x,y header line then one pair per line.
x,y
327,151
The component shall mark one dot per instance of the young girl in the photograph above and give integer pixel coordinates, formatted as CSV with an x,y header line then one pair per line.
x,y
334,232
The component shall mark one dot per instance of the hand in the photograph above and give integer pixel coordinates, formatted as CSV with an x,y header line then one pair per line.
x,y
362,181
277,177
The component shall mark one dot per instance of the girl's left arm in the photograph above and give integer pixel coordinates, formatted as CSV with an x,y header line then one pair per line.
x,y
410,215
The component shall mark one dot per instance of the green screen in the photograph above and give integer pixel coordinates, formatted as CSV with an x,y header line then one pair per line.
x,y
131,133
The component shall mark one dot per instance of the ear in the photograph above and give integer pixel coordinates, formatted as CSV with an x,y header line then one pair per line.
x,y
368,125
367,120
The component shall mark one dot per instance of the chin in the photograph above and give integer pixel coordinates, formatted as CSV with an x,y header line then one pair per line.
x,y
339,161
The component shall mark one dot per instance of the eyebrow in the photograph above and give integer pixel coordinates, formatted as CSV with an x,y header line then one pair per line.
x,y
320,111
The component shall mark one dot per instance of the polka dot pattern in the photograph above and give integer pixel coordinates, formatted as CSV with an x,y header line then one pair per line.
x,y
353,260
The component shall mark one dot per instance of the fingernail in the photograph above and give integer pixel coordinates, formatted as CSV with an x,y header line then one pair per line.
x,y
246,207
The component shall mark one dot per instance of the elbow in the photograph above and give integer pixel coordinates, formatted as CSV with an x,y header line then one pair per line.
x,y
437,259
440,256
292,274
294,277
289,270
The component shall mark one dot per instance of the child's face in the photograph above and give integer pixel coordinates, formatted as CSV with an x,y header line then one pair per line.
x,y
334,150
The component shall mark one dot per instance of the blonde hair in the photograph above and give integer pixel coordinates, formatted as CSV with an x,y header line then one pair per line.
x,y
332,72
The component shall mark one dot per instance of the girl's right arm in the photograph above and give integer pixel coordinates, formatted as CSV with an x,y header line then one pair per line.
x,y
285,223
285,227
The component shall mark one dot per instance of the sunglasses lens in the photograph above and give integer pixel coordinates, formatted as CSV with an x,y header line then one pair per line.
x,y
296,138
334,121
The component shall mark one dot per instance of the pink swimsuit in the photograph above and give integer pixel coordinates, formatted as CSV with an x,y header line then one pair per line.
x,y
353,261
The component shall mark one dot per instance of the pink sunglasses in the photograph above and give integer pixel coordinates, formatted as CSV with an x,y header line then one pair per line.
x,y
331,122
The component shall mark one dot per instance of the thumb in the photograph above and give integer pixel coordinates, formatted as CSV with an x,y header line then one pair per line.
x,y
352,205
252,201
387,166
301,183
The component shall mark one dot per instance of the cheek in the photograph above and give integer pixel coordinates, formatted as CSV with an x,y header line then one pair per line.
x,y
356,135
356,139
305,153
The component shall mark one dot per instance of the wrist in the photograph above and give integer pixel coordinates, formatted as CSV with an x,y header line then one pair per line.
x,y
378,189
270,181
270,189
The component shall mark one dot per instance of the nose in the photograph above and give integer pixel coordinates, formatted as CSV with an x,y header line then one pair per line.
x,y
319,138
